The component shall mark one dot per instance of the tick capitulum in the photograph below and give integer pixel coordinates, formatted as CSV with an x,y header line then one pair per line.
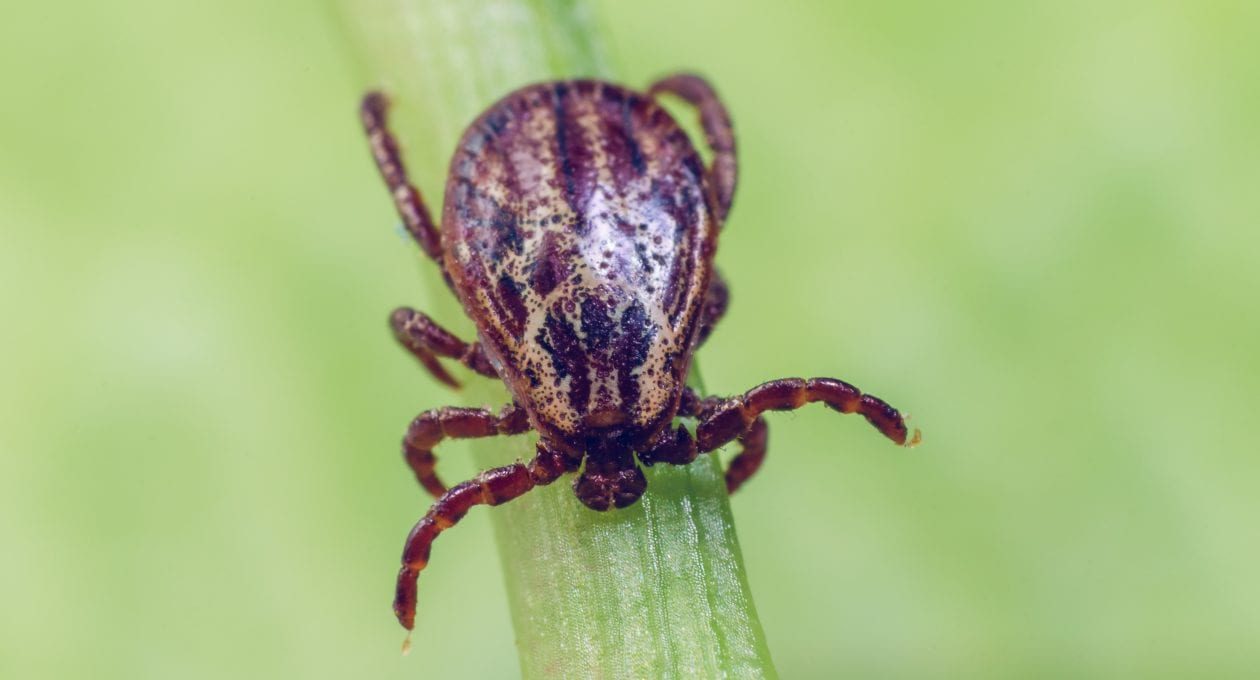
x,y
578,232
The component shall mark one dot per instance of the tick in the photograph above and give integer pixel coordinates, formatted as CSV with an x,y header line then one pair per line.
x,y
578,232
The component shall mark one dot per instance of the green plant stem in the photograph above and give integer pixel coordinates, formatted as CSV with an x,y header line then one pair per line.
x,y
655,590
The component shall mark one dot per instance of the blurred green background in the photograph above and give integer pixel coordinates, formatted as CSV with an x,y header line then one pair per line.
x,y
1033,225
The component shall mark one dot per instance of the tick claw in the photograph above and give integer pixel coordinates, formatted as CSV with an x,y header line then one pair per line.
x,y
916,438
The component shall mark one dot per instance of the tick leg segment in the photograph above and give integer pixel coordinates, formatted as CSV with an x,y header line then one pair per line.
x,y
431,427
411,207
751,456
716,300
752,442
733,417
675,447
428,341
717,130
492,487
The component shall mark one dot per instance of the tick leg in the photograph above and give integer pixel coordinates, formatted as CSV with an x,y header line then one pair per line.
x,y
492,487
731,418
752,442
716,300
750,457
428,341
431,427
717,130
675,447
411,207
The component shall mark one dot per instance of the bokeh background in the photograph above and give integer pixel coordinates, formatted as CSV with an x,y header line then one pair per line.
x,y
1033,225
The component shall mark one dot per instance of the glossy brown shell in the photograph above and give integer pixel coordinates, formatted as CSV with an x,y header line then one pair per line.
x,y
579,236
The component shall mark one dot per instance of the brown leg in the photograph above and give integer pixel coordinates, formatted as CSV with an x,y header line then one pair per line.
x,y
431,427
415,215
679,449
428,341
716,300
717,129
492,487
675,447
733,417
750,457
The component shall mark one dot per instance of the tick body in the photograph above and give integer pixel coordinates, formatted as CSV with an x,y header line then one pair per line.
x,y
578,232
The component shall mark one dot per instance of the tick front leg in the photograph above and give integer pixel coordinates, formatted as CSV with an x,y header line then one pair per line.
x,y
407,199
428,341
680,450
751,456
716,124
733,417
431,427
492,487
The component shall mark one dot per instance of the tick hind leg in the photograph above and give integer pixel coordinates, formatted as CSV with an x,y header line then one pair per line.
x,y
431,427
737,417
407,199
716,124
428,341
492,487
716,300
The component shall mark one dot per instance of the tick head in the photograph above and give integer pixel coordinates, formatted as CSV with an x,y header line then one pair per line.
x,y
610,476
609,480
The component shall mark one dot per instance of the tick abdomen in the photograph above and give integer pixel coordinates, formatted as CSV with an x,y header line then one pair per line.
x,y
577,232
